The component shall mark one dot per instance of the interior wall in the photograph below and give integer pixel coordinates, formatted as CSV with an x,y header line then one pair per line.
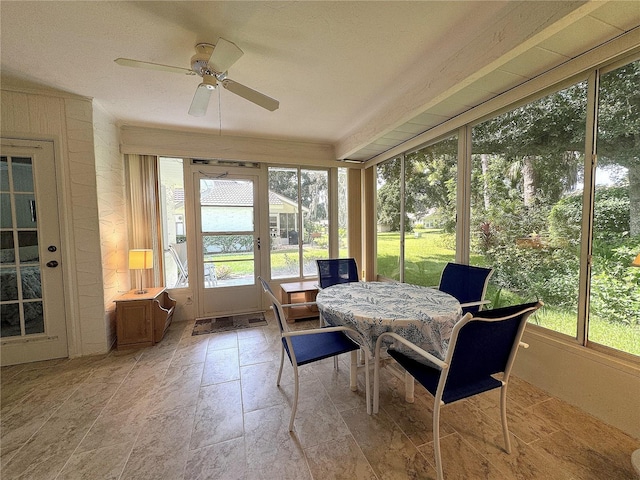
x,y
604,387
110,186
30,113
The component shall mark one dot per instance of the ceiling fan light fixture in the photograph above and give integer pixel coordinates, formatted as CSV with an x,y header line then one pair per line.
x,y
209,82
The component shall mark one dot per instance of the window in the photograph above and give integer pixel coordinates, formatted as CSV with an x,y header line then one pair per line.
x,y
416,230
614,313
174,239
298,203
527,164
343,213
430,207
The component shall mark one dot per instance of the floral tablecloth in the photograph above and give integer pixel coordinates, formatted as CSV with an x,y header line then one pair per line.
x,y
423,315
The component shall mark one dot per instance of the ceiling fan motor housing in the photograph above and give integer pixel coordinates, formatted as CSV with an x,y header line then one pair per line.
x,y
200,61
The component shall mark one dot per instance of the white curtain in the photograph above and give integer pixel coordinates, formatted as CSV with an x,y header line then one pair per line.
x,y
144,213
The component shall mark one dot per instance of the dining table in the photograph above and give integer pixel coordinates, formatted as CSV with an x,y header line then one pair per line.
x,y
423,315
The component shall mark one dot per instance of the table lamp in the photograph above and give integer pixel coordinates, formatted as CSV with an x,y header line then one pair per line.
x,y
140,259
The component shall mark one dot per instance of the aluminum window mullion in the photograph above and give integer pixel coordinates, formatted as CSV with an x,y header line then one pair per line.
x,y
588,200
402,215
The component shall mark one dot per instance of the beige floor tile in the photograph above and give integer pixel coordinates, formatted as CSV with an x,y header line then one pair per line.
x,y
339,459
218,415
179,388
209,408
104,463
461,461
162,448
221,366
272,452
221,341
225,460
387,449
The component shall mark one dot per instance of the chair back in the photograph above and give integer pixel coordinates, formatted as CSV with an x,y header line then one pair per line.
x,y
277,307
484,345
466,283
336,270
181,263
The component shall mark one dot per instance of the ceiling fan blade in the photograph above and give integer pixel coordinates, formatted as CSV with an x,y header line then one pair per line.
x,y
251,95
200,100
224,55
128,62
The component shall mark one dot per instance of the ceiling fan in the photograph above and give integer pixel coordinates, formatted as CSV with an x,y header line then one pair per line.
x,y
210,62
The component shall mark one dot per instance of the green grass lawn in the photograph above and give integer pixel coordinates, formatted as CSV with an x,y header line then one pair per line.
x,y
426,255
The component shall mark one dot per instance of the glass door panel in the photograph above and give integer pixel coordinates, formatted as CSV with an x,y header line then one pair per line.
x,y
229,244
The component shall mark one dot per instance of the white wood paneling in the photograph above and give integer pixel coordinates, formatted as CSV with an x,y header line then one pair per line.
x,y
67,120
154,141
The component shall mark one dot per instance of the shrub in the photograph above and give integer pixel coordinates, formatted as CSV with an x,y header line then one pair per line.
x,y
611,216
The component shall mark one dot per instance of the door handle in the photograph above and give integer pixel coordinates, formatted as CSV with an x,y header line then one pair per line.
x,y
52,264
258,243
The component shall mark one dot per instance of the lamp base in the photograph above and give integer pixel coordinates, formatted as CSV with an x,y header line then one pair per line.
x,y
140,292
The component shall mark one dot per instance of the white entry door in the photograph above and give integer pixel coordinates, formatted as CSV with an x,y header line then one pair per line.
x,y
32,326
228,247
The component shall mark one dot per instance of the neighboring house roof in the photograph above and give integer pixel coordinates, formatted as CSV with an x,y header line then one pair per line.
x,y
239,194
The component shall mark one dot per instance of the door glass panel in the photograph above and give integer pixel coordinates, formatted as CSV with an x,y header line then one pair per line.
x,y
25,210
10,318
227,219
31,286
4,174
5,211
614,313
22,174
6,248
33,318
21,297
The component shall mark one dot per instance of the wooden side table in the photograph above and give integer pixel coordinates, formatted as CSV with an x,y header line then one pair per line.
x,y
300,292
142,319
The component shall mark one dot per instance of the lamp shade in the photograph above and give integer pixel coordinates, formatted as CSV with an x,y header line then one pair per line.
x,y
140,258
636,261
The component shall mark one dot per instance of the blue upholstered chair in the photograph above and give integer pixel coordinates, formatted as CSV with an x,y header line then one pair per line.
x,y
308,346
336,270
480,348
467,284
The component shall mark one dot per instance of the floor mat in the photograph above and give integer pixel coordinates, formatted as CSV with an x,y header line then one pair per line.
x,y
225,324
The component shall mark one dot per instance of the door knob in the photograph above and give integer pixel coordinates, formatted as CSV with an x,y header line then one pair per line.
x,y
52,264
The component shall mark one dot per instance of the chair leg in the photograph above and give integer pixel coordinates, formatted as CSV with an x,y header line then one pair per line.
x,y
281,363
503,417
294,407
353,371
436,440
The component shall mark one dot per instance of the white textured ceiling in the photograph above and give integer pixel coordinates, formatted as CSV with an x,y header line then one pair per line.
x,y
361,76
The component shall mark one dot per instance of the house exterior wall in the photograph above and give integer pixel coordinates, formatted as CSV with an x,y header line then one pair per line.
x,y
67,120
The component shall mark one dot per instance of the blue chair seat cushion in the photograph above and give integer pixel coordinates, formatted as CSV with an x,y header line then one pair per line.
x,y
317,346
454,390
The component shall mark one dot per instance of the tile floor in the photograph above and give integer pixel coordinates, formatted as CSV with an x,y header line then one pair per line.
x,y
207,407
